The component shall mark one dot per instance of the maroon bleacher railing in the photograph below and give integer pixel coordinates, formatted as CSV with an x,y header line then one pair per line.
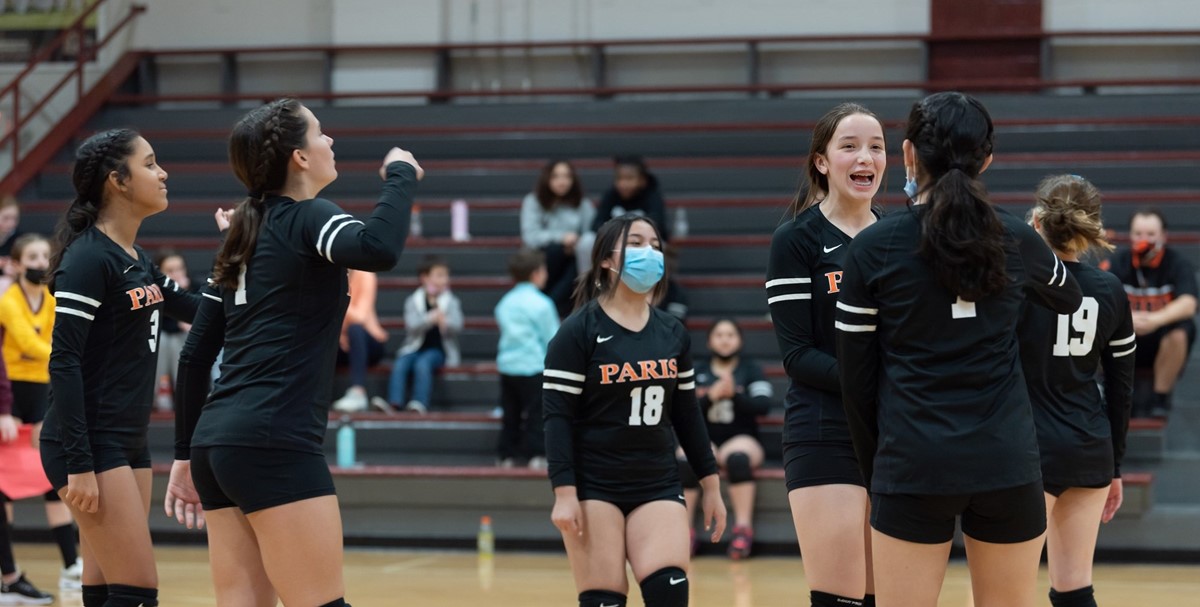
x,y
599,86
21,116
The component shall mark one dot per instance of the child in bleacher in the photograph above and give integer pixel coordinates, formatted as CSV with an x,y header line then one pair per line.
x,y
171,334
528,320
635,190
10,217
432,321
556,218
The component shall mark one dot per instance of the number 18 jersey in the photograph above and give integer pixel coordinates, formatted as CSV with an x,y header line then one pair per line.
x,y
611,399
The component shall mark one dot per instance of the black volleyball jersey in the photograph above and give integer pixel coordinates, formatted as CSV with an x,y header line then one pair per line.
x,y
932,383
611,399
108,311
804,277
1081,433
280,326
729,417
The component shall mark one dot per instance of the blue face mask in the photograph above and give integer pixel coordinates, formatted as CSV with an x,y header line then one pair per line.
x,y
910,188
643,268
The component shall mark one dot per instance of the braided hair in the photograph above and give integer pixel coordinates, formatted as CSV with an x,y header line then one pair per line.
x,y
96,158
260,148
961,235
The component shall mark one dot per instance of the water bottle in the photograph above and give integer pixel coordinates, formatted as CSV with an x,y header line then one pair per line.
x,y
459,231
485,541
414,224
345,444
681,223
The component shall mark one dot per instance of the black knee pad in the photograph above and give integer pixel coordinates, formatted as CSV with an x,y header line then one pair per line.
x,y
824,599
869,600
1082,597
601,598
338,602
687,476
120,595
737,466
667,587
94,596
52,496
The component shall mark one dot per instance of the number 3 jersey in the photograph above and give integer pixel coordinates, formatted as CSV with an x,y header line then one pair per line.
x,y
1081,433
611,399
105,345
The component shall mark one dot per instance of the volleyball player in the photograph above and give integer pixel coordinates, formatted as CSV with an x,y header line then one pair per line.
x,y
930,373
109,301
27,323
619,386
1081,432
845,167
255,456
732,393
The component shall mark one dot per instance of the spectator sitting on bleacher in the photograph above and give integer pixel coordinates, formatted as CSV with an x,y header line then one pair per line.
x,y
363,343
733,393
171,333
557,219
527,322
433,319
10,217
1161,285
634,190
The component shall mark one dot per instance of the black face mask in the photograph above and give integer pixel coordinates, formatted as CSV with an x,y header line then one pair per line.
x,y
727,358
35,275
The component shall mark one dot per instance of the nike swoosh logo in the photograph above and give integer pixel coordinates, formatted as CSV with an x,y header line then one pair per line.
x,y
613,605
831,249
128,269
681,496
676,582
601,340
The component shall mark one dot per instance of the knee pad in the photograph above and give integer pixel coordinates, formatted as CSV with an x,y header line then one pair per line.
x,y
120,595
737,466
667,587
824,599
1082,597
601,598
94,596
338,602
687,476
52,496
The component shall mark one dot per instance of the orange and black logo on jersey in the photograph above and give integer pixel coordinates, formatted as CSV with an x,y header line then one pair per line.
x,y
835,280
665,368
140,297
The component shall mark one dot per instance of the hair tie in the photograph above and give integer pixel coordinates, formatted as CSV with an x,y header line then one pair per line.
x,y
256,195
957,165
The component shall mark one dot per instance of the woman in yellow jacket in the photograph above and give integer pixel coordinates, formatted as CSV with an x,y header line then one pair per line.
x,y
26,320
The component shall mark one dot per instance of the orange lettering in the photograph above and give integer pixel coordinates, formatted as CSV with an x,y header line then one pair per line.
x,y
135,297
835,279
672,368
606,373
154,295
627,374
650,369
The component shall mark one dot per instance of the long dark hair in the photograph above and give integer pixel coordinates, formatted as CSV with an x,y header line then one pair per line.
x,y
547,198
815,186
600,281
961,235
260,146
96,158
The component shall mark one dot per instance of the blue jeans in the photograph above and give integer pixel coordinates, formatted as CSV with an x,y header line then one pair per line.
x,y
422,365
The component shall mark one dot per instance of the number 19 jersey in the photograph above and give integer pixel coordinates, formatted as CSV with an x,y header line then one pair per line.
x,y
611,398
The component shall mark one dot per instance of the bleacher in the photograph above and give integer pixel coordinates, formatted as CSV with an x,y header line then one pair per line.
x,y
731,166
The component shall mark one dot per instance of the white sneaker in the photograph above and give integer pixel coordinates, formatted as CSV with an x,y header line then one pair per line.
x,y
354,401
71,577
381,405
538,462
416,406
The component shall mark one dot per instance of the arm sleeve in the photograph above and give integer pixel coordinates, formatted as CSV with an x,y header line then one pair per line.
x,y
80,285
532,233
1047,280
1117,359
196,359
374,245
28,341
5,390
562,389
179,303
789,297
756,397
859,353
686,418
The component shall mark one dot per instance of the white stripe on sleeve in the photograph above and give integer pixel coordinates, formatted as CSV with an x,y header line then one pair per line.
x,y
562,388
555,373
791,297
76,297
853,328
211,296
73,312
687,374
1125,353
329,243
856,309
779,282
1121,342
325,228
691,385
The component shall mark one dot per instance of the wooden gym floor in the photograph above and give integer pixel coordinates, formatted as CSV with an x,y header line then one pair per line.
x,y
384,578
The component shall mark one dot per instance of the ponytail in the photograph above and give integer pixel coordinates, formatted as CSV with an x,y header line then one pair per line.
x,y
962,238
95,159
259,151
1068,214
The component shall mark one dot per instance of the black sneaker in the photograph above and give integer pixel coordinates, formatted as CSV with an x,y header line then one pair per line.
x,y
21,592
